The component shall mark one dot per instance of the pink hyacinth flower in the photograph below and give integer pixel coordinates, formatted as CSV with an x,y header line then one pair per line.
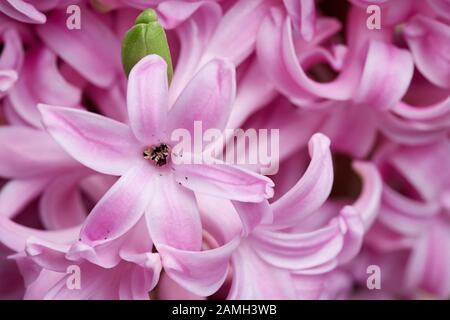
x,y
162,191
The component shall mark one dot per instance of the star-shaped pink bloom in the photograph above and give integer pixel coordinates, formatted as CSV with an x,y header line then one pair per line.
x,y
151,181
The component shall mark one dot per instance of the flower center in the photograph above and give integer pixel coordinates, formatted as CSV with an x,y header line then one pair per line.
x,y
159,154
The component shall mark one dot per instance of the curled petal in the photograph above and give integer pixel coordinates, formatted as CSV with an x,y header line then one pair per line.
x,y
311,190
404,215
11,57
386,76
251,281
253,214
300,251
22,11
200,272
302,13
40,72
429,42
368,202
7,80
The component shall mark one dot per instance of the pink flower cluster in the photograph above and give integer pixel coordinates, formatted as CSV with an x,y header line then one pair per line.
x,y
360,206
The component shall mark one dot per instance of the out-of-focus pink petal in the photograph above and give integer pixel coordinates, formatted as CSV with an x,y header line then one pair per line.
x,y
147,99
363,122
15,195
351,221
22,11
207,98
223,180
251,278
28,152
386,76
235,36
200,272
61,204
368,202
404,215
311,190
170,290
172,216
100,143
11,57
436,279
309,287
254,92
40,72
7,80
14,236
302,13
428,40
93,50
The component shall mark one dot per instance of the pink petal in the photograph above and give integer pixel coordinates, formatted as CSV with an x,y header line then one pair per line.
x,y
98,142
235,36
302,13
93,50
358,141
40,72
14,236
170,290
147,98
22,11
310,287
311,190
48,255
11,57
121,207
194,24
386,76
141,278
368,202
200,272
254,92
351,221
61,204
251,278
207,98
15,195
253,214
172,216
428,40
299,251
7,80
28,153
223,180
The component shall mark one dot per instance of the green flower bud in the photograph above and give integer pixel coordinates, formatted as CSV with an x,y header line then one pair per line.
x,y
146,37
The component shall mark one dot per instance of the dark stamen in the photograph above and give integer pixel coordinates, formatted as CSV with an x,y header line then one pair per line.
x,y
159,154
